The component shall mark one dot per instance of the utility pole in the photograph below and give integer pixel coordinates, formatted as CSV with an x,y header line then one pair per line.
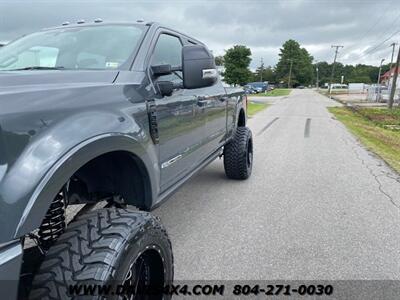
x,y
290,72
316,69
378,91
393,89
393,45
333,66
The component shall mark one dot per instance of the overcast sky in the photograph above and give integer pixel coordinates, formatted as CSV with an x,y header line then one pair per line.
x,y
365,28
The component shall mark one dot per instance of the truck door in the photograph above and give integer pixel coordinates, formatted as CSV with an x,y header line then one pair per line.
x,y
213,100
181,124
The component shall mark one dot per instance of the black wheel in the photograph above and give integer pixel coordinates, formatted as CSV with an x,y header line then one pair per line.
x,y
125,249
238,154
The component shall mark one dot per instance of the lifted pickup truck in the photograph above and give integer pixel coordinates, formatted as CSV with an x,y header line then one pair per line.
x,y
96,119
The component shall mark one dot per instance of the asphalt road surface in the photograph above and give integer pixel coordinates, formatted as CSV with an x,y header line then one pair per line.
x,y
317,206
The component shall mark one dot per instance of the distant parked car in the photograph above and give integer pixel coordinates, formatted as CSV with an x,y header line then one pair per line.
x,y
271,87
249,89
338,86
300,87
260,87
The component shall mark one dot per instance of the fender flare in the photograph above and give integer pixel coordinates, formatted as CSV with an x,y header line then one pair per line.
x,y
68,164
240,106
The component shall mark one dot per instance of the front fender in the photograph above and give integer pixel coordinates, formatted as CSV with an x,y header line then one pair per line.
x,y
51,184
56,153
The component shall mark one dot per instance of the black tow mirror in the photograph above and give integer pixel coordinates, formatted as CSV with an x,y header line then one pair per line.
x,y
165,88
198,67
161,70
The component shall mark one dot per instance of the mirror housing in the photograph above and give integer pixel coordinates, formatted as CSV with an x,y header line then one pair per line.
x,y
198,67
161,70
165,88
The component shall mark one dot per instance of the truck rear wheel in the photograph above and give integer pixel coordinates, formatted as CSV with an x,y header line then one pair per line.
x,y
112,247
238,155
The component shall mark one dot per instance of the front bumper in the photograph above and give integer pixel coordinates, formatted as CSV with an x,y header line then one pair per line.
x,y
10,267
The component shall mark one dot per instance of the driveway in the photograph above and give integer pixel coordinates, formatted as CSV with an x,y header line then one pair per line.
x,y
318,205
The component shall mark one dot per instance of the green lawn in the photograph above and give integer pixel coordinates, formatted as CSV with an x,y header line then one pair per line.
x,y
382,116
273,93
255,107
378,129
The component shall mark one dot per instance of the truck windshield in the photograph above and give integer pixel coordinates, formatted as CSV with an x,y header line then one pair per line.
x,y
76,48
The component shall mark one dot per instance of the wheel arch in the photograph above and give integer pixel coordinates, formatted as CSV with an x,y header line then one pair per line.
x,y
112,173
242,118
78,157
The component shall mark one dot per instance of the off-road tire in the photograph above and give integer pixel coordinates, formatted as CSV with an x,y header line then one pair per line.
x,y
238,155
100,248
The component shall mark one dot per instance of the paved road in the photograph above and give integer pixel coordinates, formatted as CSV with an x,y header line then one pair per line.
x,y
318,205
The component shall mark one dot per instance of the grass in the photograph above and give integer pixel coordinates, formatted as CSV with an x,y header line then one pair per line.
x,y
386,118
378,129
255,107
273,93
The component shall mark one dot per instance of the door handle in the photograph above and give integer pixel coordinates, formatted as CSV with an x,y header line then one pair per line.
x,y
202,100
202,103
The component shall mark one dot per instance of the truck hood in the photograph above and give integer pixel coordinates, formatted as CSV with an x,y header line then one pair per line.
x,y
29,91
31,101
36,80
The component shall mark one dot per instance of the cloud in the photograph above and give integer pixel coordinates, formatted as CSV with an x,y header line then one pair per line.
x,y
263,26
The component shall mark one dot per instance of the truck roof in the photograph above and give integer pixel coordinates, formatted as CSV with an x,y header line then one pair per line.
x,y
83,23
98,22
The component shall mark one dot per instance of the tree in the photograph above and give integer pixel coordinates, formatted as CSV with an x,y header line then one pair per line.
x,y
219,60
260,72
267,74
324,72
302,68
352,74
237,60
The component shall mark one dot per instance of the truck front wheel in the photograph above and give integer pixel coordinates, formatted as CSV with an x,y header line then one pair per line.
x,y
238,154
125,250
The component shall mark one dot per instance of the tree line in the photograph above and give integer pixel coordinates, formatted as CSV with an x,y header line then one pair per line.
x,y
237,61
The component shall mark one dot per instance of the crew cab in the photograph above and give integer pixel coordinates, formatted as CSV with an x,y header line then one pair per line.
x,y
99,123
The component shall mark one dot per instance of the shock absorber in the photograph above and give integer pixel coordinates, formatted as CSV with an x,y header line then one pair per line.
x,y
53,224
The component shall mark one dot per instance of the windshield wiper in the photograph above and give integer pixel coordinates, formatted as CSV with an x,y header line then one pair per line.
x,y
37,68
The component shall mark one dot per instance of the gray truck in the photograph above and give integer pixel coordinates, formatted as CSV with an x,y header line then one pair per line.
x,y
99,124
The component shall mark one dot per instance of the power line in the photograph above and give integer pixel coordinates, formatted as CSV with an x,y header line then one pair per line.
x,y
358,39
369,51
376,48
373,50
